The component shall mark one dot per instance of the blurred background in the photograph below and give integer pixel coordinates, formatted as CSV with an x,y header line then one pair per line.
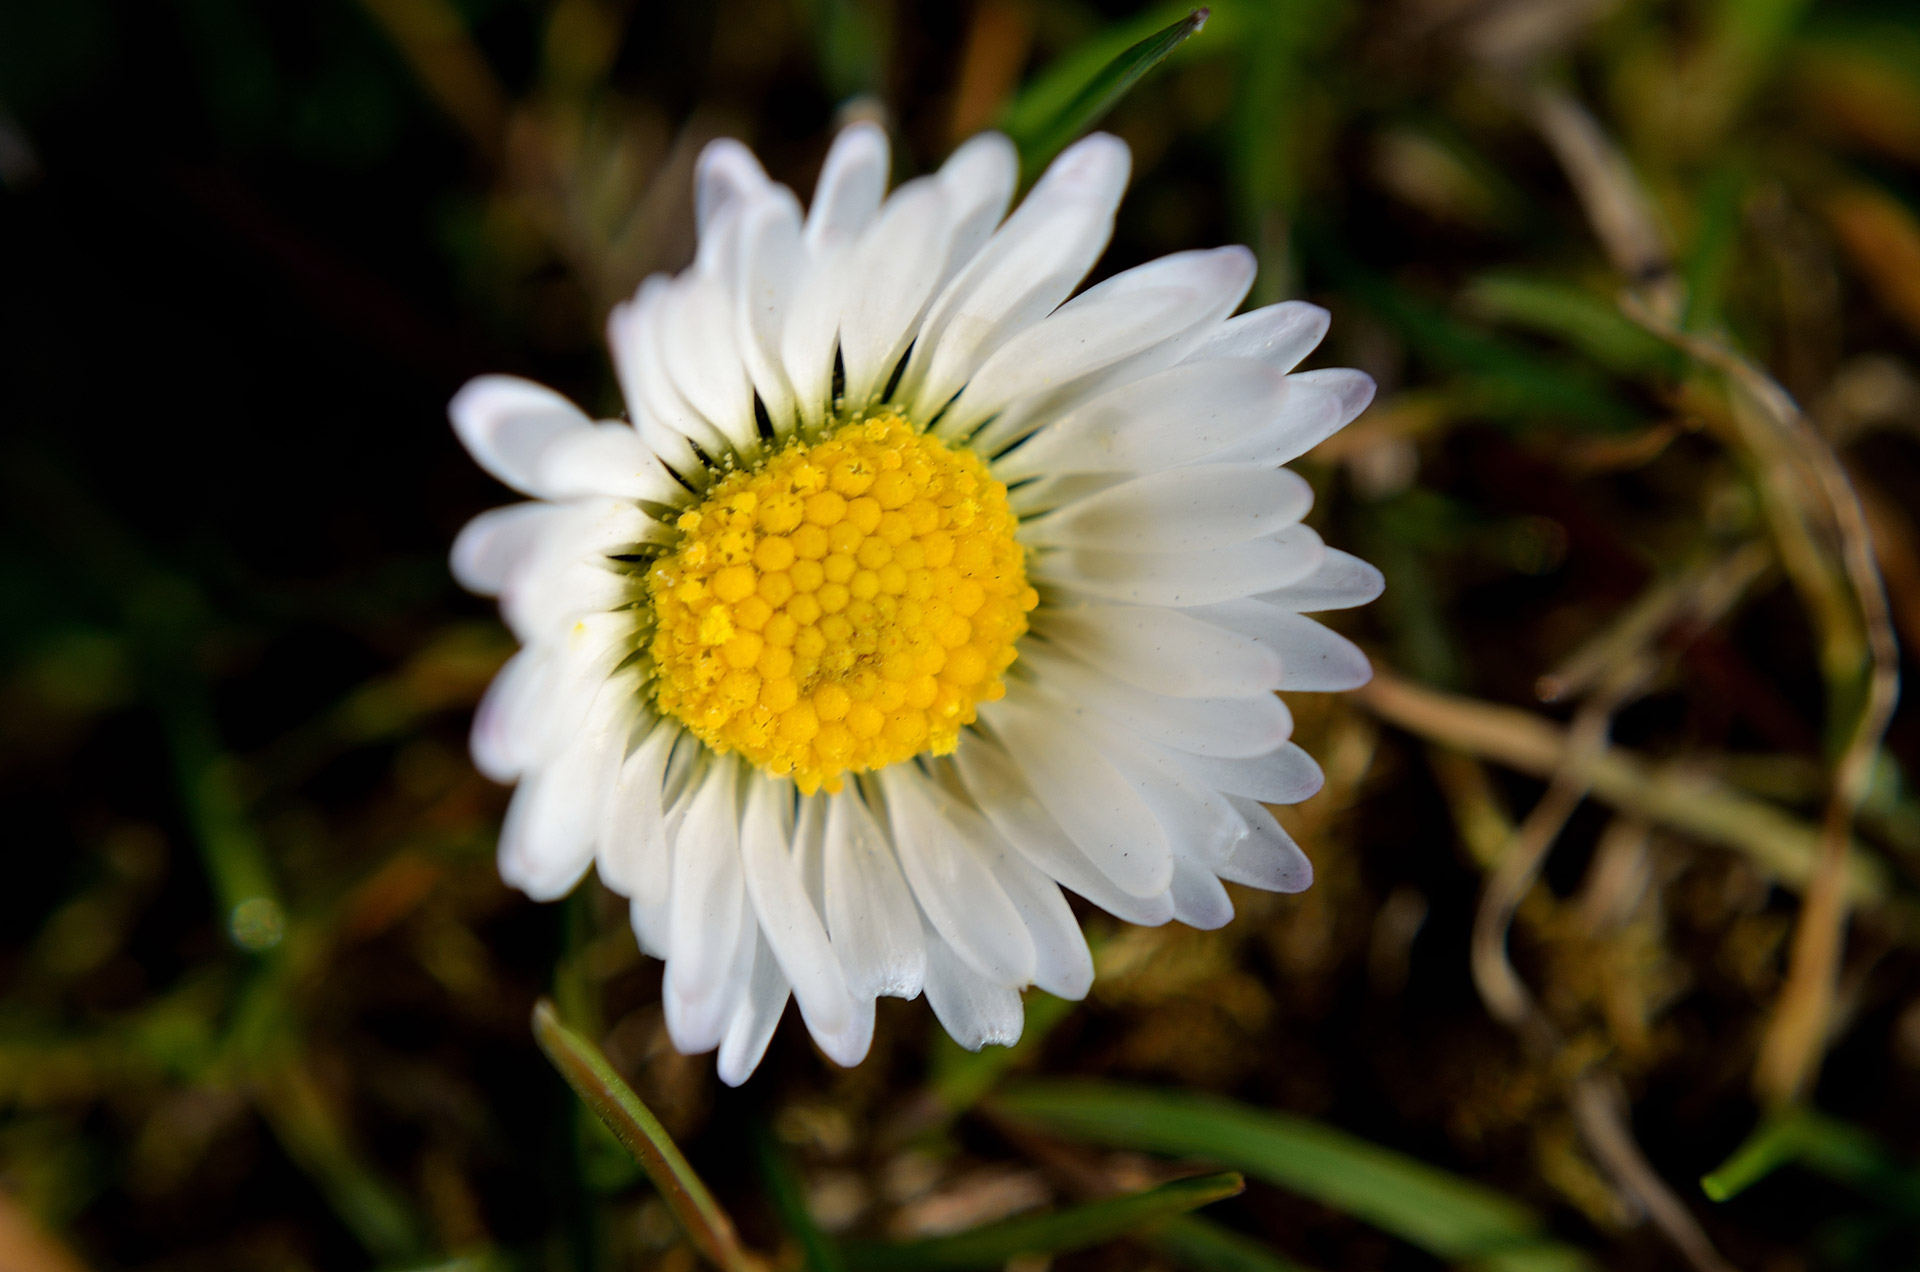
x,y
1640,283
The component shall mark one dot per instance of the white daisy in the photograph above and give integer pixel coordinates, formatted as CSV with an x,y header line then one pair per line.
x,y
909,596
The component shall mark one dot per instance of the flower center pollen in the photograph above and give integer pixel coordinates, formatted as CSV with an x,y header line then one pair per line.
x,y
842,607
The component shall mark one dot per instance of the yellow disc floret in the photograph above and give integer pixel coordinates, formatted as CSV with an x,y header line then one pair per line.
x,y
842,607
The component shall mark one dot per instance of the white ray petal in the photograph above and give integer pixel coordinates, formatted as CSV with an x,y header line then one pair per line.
x,y
708,905
955,887
1228,726
696,329
1001,791
725,172
1198,899
852,179
1183,578
548,838
1178,510
978,178
786,914
772,264
507,424
1025,270
1266,857
973,1009
633,858
901,257
754,1019
870,913
492,546
1342,582
1312,657
607,459
1092,802
1285,775
1278,335
1164,651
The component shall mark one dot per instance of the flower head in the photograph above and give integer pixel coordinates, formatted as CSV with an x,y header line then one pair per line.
x,y
913,592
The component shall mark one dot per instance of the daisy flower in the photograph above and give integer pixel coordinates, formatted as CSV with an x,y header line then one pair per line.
x,y
911,592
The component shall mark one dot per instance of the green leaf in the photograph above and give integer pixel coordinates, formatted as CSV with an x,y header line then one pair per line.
x,y
639,1131
1072,1229
1063,104
1447,1216
1205,1246
1827,1146
1594,326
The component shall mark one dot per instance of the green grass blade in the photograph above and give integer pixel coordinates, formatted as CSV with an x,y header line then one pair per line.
x,y
639,1131
1594,326
1075,1228
1450,1217
1205,1246
1042,121
819,1251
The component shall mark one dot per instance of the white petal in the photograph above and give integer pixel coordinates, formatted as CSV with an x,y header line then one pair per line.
x,y
1341,582
1026,269
1194,815
754,1019
506,423
701,1023
708,905
851,182
978,179
635,336
1198,899
1179,416
787,918
633,858
1062,964
696,329
1096,806
1082,336
1178,510
494,544
973,1009
548,838
955,887
1164,651
607,459
1134,324
1279,335
1266,857
1230,726
539,700
725,172
898,262
1183,578
811,329
876,930
1311,656
1285,775
1354,389
772,262
1002,793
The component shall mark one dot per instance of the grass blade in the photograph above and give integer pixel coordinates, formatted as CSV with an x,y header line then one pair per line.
x,y
1205,1246
1072,1229
1447,1216
1043,120
639,1131
819,1251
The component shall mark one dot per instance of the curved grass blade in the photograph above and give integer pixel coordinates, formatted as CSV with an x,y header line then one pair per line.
x,y
1075,1228
1205,1246
1450,1217
1043,120
819,1251
1826,1146
639,1131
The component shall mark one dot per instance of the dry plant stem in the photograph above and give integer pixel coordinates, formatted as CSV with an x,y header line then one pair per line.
x,y
1599,1106
1600,1109
1780,846
1622,219
1790,1054
1506,996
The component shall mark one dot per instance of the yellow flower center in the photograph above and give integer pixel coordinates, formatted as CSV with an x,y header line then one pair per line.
x,y
842,607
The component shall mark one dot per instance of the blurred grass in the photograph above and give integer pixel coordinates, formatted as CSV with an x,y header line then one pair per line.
x,y
263,1002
